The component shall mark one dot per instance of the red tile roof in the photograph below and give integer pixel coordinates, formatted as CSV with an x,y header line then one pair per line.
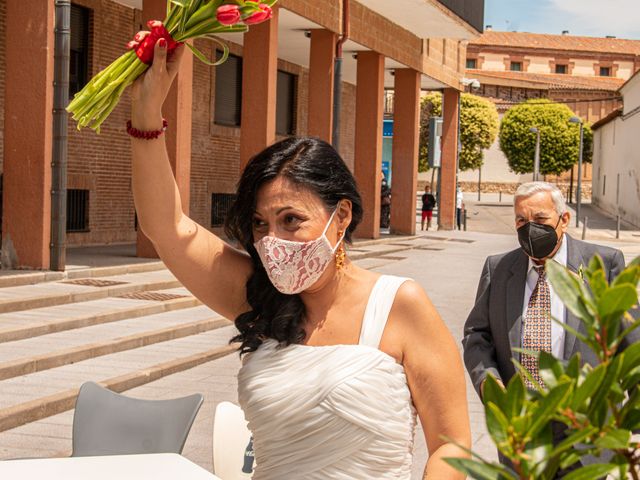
x,y
557,42
549,80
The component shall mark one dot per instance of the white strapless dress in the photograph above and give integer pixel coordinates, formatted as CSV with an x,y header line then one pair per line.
x,y
331,412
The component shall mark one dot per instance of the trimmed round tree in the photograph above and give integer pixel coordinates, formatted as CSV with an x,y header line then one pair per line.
x,y
559,139
478,128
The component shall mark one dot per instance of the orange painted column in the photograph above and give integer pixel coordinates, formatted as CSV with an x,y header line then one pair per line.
x,y
368,139
28,120
447,213
321,63
406,140
259,80
177,110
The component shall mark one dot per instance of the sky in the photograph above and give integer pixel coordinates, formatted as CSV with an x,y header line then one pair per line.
x,y
597,18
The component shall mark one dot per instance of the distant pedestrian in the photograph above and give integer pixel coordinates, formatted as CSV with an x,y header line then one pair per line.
x,y
459,208
428,203
385,202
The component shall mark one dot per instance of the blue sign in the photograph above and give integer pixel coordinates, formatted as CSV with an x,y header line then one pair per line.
x,y
387,128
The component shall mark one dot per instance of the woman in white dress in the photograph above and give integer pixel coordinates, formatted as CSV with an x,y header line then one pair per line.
x,y
337,360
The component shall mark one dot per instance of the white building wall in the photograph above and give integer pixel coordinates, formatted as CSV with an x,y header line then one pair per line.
x,y
616,160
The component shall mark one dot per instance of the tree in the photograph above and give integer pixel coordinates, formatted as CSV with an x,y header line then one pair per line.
x,y
478,128
600,405
559,139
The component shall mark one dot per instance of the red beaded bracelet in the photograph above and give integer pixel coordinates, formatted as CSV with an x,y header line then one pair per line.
x,y
148,134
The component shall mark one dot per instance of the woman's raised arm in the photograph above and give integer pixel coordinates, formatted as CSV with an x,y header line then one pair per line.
x,y
212,270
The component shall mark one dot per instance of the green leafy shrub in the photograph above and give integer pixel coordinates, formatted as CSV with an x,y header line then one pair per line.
x,y
559,139
599,405
478,128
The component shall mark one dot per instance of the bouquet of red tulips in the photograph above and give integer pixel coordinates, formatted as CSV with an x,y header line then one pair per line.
x,y
185,19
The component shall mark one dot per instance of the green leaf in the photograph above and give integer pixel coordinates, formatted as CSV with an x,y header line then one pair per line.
x,y
481,471
515,397
614,439
617,300
630,275
201,56
588,387
574,438
590,472
630,359
494,392
550,369
598,407
548,406
630,327
497,423
567,286
596,276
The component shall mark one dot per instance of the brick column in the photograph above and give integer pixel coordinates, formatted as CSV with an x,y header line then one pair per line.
x,y
406,131
368,139
259,80
321,62
447,213
26,219
177,110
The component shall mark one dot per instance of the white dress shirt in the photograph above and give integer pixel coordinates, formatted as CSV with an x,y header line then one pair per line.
x,y
557,307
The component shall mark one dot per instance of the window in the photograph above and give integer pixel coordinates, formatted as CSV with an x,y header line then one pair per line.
x,y
605,71
561,69
472,63
286,103
220,205
77,210
78,49
516,66
228,92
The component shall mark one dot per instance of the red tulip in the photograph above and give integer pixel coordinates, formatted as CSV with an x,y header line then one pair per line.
x,y
265,13
228,14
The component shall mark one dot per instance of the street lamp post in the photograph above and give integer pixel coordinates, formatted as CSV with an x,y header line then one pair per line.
x,y
579,186
536,158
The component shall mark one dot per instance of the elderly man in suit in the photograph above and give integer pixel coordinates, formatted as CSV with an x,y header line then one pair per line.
x,y
514,301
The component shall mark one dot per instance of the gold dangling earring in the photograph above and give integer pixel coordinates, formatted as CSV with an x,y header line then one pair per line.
x,y
340,253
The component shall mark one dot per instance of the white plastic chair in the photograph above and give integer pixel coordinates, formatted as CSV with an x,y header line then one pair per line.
x,y
232,444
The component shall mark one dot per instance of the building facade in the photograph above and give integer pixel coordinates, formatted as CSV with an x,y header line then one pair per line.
x,y
277,82
616,157
584,73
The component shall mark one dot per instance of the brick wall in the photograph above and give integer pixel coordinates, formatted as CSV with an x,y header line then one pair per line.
x,y
215,163
3,17
102,163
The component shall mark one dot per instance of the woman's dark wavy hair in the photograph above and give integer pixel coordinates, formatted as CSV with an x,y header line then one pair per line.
x,y
309,163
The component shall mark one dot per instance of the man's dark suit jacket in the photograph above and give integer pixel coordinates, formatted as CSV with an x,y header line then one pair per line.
x,y
494,326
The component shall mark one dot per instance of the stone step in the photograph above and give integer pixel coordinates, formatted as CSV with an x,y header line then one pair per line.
x,y
216,380
15,278
13,299
41,394
47,320
75,346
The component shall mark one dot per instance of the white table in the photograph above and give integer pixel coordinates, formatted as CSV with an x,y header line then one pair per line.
x,y
158,466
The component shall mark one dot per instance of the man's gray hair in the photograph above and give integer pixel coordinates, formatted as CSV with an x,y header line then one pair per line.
x,y
527,189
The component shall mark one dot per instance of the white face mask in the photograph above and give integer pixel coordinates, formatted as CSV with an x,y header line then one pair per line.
x,y
293,267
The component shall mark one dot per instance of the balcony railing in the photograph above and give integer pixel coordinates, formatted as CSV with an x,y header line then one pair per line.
x,y
471,11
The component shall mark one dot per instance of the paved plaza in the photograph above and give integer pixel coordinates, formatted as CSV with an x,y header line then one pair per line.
x,y
446,264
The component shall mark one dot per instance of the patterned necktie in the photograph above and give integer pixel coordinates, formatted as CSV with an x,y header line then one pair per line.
x,y
536,333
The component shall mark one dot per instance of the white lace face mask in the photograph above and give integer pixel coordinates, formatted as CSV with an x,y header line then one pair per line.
x,y
293,267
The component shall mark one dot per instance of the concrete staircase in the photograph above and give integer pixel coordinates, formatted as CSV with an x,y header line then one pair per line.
x,y
132,328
